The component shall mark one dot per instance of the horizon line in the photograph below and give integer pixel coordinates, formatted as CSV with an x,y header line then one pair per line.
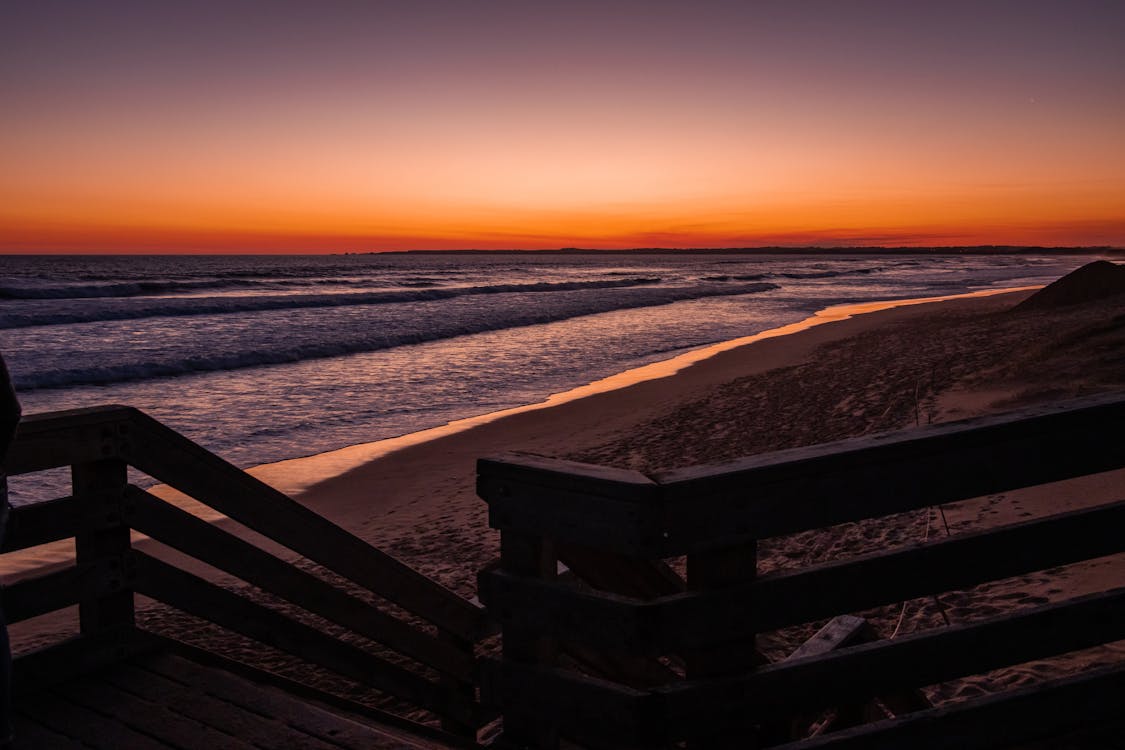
x,y
983,249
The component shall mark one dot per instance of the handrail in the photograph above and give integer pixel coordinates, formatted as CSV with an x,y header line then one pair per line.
x,y
715,514
675,512
57,439
100,443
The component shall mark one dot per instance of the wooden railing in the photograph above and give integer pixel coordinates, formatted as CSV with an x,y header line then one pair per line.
x,y
100,444
718,689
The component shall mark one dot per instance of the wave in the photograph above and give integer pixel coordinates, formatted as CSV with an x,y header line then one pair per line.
x,y
128,309
369,338
219,283
825,274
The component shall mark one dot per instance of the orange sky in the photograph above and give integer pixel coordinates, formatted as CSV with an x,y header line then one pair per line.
x,y
205,132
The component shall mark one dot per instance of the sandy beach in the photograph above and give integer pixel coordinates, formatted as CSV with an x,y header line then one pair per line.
x,y
873,372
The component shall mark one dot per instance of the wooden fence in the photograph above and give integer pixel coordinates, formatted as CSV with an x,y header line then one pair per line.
x,y
556,623
100,444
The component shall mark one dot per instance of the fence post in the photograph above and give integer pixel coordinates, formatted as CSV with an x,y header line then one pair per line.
x,y
102,548
707,571
533,557
464,690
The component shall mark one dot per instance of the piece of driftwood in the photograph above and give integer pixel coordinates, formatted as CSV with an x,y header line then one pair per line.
x,y
1089,701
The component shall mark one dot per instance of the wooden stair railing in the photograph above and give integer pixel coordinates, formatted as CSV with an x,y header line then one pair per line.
x,y
715,515
101,443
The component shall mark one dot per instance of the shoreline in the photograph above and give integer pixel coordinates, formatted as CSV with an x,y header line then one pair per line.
x,y
297,476
418,502
334,483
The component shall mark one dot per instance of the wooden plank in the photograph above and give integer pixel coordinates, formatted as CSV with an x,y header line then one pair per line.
x,y
495,472
534,557
719,569
464,685
196,596
73,657
202,707
789,598
202,540
629,576
623,668
584,616
62,438
303,693
836,634
147,716
32,597
263,700
806,488
190,468
585,709
86,726
571,502
1023,715
841,632
31,735
41,523
924,658
99,487
710,570
595,618
628,528
847,630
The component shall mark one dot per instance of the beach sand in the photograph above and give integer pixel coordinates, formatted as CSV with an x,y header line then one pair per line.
x,y
873,372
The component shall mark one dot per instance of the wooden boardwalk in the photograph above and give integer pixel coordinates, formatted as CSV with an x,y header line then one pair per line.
x,y
163,701
603,643
388,628
641,659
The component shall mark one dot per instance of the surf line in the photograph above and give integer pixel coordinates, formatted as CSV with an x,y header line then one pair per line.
x,y
295,475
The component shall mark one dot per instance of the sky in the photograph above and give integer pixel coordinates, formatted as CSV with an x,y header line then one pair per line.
x,y
338,125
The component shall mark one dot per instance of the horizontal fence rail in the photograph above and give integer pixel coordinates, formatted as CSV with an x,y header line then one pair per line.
x,y
576,636
100,444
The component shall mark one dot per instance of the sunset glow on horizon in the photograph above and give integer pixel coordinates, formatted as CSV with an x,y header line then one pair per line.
x,y
351,126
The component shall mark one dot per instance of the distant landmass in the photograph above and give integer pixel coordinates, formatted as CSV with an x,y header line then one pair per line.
x,y
864,250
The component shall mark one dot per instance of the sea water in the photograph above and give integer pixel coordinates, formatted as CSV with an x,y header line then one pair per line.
x,y
263,358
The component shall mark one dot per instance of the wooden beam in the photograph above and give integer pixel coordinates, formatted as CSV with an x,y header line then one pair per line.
x,y
224,677
586,709
63,661
1046,710
534,557
570,502
807,488
836,634
99,487
41,523
789,598
618,574
924,658
198,597
62,438
204,541
32,597
188,467
147,716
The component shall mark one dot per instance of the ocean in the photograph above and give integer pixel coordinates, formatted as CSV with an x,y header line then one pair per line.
x,y
263,358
